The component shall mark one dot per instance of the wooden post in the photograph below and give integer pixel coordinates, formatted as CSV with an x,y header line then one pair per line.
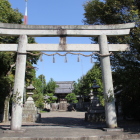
x,y
17,104
110,112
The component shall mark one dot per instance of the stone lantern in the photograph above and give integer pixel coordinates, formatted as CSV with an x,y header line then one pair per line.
x,y
91,96
30,112
95,111
30,93
95,100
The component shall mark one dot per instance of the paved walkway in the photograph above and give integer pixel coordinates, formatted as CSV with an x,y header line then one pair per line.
x,y
68,126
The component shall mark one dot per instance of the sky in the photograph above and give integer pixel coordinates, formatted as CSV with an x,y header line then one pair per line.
x,y
57,12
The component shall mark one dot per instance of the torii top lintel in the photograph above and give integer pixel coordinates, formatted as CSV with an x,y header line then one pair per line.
x,y
65,30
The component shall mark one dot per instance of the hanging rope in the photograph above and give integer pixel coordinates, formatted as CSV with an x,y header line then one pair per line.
x,y
102,55
78,59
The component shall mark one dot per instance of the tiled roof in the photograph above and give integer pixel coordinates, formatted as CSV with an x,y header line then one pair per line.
x,y
63,90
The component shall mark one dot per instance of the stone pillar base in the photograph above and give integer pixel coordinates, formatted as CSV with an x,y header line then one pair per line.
x,y
30,113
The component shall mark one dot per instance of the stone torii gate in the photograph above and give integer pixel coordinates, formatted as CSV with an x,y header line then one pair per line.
x,y
100,31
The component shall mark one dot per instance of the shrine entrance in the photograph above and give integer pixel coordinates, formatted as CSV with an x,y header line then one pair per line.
x,y
100,31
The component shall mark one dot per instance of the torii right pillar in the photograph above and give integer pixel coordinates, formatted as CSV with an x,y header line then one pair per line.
x,y
110,112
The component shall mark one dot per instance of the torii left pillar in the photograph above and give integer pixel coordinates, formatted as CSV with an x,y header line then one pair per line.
x,y
17,104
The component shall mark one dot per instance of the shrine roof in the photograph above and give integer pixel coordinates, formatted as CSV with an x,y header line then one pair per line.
x,y
64,87
63,91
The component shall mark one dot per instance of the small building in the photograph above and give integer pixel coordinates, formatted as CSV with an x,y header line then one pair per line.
x,y
64,88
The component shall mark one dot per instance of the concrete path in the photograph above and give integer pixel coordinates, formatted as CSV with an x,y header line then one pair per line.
x,y
68,126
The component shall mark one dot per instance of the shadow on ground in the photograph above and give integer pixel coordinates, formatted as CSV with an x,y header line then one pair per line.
x,y
72,122
132,126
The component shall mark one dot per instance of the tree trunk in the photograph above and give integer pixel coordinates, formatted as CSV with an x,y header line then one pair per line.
x,y
6,108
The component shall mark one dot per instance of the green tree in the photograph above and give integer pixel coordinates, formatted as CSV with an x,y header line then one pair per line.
x,y
44,89
43,83
8,59
84,84
50,91
51,85
125,65
38,96
71,98
77,85
51,99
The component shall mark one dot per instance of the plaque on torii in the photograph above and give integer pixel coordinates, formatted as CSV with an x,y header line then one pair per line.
x,y
63,31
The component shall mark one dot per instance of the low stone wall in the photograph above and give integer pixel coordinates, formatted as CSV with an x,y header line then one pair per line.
x,y
95,117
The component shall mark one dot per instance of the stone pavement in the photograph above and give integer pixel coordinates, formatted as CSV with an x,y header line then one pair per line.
x,y
69,126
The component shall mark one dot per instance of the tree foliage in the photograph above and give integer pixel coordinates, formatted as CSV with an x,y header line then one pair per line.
x,y
38,92
7,15
8,59
125,65
44,89
51,85
51,99
71,98
83,86
50,91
